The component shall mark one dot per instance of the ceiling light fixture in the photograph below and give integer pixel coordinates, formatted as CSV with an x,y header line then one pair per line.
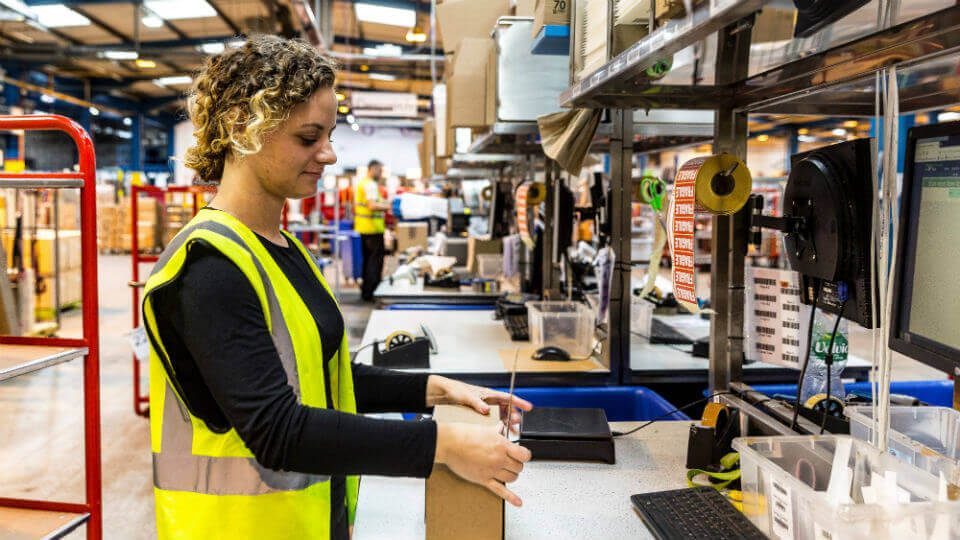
x,y
46,98
416,35
803,131
382,77
145,64
385,15
343,109
175,80
355,127
58,15
351,118
180,9
384,49
94,111
212,48
763,138
364,67
120,55
341,97
152,21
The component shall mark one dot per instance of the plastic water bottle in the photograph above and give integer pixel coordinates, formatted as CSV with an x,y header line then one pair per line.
x,y
815,380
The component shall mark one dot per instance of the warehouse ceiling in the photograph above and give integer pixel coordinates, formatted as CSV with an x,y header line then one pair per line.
x,y
144,51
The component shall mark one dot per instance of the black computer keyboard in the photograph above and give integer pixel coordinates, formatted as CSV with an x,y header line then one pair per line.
x,y
700,512
517,326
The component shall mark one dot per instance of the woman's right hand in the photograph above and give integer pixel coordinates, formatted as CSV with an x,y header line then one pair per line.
x,y
482,455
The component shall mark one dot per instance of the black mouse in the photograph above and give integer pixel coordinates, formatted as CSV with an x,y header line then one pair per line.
x,y
551,353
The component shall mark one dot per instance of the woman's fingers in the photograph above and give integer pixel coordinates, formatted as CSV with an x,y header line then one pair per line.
x,y
502,491
519,453
513,465
506,476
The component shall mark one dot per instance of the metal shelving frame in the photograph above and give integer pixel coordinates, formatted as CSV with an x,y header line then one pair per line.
x,y
141,402
832,82
21,355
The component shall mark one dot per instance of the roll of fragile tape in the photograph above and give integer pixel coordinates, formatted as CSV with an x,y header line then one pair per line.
x,y
536,195
715,414
721,184
718,185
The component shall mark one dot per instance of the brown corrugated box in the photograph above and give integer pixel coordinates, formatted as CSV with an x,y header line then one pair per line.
x,y
524,8
549,12
459,19
467,88
411,234
456,508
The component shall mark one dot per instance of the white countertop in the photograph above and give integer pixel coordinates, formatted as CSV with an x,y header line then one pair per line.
x,y
561,500
403,288
467,341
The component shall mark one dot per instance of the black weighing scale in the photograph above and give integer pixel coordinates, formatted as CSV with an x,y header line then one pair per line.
x,y
562,433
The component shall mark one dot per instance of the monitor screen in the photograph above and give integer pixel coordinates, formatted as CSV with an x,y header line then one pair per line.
x,y
928,304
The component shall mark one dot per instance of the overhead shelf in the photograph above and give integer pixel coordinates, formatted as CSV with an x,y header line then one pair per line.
x,y
25,524
835,79
40,180
16,360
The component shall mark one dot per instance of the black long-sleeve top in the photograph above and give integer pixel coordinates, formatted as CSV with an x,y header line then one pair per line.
x,y
213,327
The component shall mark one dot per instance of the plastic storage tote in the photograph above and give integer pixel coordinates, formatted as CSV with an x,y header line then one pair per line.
x,y
489,265
568,325
928,437
786,483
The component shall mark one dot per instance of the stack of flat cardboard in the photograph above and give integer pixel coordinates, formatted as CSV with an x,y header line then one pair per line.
x,y
594,41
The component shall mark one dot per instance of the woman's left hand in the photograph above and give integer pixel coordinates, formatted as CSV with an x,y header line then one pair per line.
x,y
444,391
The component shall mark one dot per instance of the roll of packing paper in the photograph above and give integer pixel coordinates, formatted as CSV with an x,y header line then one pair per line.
x,y
716,185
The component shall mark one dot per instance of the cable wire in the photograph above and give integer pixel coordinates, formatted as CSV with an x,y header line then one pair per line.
x,y
828,359
806,356
679,409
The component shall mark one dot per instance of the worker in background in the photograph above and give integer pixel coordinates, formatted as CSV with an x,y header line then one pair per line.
x,y
369,207
254,401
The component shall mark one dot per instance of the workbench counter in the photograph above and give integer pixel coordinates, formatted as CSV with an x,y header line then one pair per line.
x,y
560,499
402,291
467,341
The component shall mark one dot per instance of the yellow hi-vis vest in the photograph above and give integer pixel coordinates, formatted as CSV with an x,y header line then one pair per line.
x,y
366,221
208,485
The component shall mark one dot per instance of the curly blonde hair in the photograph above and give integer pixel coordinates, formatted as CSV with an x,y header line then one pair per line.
x,y
244,93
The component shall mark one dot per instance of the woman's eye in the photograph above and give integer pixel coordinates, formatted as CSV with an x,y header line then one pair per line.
x,y
307,142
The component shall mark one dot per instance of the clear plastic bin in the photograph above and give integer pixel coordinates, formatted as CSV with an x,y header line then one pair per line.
x,y
928,437
786,480
568,325
641,316
489,265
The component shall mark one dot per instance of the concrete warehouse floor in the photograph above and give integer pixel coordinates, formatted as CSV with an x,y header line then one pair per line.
x,y
41,416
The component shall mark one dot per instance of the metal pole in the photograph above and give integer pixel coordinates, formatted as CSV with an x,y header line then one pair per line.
x,y
56,256
729,232
549,230
621,172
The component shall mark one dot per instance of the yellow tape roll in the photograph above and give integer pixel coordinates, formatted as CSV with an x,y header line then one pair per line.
x,y
722,183
538,192
712,412
487,193
398,339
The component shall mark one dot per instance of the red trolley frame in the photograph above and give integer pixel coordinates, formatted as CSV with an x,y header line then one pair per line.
x,y
91,510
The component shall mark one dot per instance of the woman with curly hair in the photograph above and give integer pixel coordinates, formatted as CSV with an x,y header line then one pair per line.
x,y
254,401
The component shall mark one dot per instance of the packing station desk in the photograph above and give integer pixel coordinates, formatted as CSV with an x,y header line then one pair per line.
x,y
474,347
401,291
561,499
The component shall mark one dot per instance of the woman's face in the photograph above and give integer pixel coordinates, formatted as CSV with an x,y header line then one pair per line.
x,y
292,158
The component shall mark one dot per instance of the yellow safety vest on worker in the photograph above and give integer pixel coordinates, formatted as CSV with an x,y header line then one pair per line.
x,y
208,485
366,221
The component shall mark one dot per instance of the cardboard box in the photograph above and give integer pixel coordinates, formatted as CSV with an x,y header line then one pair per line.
x,y
477,246
70,290
467,89
460,19
411,234
549,12
524,8
454,507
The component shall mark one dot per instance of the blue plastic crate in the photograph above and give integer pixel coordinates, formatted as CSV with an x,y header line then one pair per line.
x,y
621,403
553,39
937,393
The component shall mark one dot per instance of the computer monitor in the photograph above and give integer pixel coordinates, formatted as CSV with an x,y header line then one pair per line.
x,y
925,322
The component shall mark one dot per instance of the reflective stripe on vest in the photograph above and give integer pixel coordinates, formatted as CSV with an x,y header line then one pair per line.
x,y
175,466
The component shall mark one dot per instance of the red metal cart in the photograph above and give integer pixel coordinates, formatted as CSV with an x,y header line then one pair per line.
x,y
22,355
141,402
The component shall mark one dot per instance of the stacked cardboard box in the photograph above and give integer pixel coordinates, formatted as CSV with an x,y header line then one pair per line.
x,y
176,217
69,249
114,225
